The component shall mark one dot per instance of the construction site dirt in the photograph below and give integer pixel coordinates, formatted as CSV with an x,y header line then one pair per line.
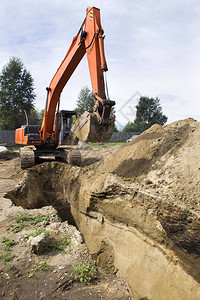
x,y
132,211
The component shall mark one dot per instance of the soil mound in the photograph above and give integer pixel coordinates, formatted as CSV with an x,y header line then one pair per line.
x,y
165,158
137,208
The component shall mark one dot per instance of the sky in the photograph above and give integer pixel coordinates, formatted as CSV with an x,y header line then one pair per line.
x,y
152,49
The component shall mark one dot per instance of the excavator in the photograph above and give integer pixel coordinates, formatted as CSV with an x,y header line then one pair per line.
x,y
65,127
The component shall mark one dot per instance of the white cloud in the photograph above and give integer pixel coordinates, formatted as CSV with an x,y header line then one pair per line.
x,y
150,47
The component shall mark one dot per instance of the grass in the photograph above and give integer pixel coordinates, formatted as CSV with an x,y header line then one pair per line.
x,y
21,221
188,211
7,257
104,145
40,219
8,243
21,218
8,154
17,228
85,272
6,151
38,231
60,244
43,267
24,220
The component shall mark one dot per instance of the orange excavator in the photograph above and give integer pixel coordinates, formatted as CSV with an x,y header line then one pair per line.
x,y
65,127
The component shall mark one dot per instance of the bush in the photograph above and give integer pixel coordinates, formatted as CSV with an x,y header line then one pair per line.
x,y
85,272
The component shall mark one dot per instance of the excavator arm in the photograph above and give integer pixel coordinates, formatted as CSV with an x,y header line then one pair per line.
x,y
96,125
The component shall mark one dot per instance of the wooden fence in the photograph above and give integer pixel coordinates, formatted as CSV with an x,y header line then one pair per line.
x,y
7,137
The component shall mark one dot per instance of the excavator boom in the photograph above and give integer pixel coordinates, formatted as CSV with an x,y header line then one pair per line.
x,y
98,124
58,128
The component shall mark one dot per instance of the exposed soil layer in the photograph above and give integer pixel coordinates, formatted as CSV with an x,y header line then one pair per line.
x,y
47,276
137,208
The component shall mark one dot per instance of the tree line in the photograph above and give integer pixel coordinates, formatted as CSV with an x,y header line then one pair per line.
x,y
17,95
148,111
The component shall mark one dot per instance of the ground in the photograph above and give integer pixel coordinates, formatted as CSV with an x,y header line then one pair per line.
x,y
137,207
45,276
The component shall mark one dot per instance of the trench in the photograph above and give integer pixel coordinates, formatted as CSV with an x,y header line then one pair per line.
x,y
127,242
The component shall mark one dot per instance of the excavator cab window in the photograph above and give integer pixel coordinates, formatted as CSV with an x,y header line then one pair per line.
x,y
66,119
32,131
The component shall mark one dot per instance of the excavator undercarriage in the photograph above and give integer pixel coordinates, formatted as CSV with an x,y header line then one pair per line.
x,y
30,155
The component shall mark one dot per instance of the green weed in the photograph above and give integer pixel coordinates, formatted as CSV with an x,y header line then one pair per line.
x,y
85,272
7,257
21,218
8,243
21,221
32,219
60,244
43,267
40,219
38,231
17,228
24,220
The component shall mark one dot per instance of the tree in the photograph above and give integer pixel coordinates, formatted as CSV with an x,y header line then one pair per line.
x,y
130,127
16,94
149,112
35,116
85,100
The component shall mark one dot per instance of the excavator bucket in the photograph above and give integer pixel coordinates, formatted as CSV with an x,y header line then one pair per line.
x,y
88,129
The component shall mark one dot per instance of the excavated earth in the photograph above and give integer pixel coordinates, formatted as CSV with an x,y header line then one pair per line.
x,y
137,207
27,273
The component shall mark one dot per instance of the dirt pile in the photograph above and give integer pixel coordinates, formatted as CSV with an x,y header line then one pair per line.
x,y
137,208
165,158
150,184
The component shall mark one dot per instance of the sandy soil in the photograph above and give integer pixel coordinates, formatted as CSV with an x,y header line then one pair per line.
x,y
23,277
164,160
152,180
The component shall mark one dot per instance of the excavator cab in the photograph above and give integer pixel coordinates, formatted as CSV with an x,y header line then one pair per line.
x,y
66,136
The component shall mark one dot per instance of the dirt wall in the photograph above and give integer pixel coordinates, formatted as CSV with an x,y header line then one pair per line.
x,y
138,209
